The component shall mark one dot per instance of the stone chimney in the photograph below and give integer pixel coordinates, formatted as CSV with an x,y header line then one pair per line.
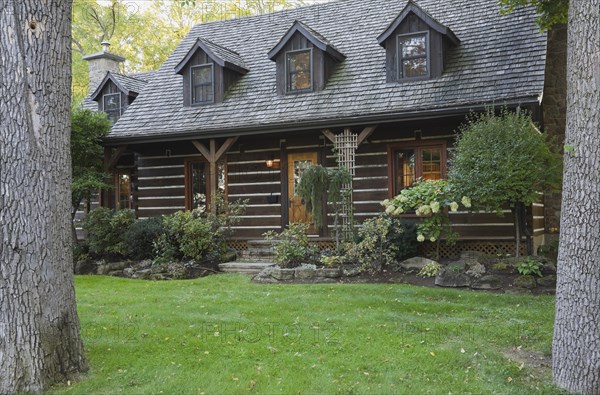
x,y
99,63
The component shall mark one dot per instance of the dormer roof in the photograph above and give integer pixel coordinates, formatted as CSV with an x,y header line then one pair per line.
x,y
129,85
412,7
317,39
222,56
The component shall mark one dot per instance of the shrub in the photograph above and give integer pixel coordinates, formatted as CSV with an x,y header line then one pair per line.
x,y
292,247
375,250
140,237
402,234
431,269
105,229
529,266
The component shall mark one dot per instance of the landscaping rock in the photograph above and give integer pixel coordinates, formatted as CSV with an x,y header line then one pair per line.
x,y
351,270
415,264
229,256
177,271
304,272
128,272
488,282
476,269
547,281
143,274
449,278
281,274
116,273
527,282
329,272
105,268
548,268
85,267
158,276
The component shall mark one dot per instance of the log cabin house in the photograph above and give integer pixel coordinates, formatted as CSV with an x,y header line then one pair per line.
x,y
242,105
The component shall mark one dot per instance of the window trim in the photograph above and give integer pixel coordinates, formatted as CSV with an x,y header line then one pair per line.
x,y
212,73
287,74
188,179
400,59
119,107
417,145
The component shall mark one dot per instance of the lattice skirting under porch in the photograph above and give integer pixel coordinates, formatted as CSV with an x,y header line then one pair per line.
x,y
487,247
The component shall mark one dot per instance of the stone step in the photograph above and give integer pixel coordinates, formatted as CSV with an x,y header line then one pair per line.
x,y
244,267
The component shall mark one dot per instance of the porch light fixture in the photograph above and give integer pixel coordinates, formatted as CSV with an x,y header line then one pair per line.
x,y
270,163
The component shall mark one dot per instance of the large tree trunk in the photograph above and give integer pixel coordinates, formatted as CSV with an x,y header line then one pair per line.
x,y
40,342
576,347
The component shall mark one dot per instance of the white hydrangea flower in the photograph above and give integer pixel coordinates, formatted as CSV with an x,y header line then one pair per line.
x,y
386,202
398,211
453,207
390,209
425,209
432,239
403,199
435,207
466,201
420,238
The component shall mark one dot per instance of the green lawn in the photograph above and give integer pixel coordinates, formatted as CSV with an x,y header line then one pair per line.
x,y
224,334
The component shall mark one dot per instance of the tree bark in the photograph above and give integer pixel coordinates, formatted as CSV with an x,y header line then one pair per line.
x,y
40,343
576,345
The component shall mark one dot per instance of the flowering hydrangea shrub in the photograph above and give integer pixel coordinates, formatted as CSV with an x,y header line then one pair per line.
x,y
431,200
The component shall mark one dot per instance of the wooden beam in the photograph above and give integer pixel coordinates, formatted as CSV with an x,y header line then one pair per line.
x,y
366,132
202,148
114,158
225,147
330,136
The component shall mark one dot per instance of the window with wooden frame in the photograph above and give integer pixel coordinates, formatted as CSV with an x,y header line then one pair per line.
x,y
202,84
111,105
123,190
413,55
419,159
299,70
197,183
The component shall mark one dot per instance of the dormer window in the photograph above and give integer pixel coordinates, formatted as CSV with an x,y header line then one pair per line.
x,y
413,55
299,70
416,45
304,60
208,71
111,105
202,89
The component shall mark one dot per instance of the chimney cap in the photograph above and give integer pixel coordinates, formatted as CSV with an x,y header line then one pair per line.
x,y
105,45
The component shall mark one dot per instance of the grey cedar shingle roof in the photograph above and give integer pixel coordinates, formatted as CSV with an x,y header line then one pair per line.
x,y
500,59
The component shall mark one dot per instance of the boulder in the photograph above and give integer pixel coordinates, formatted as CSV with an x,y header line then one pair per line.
x,y
304,272
85,267
527,282
449,278
488,282
415,264
107,267
329,272
476,269
143,274
281,274
548,281
548,268
128,272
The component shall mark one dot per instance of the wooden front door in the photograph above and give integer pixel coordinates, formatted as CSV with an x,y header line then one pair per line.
x,y
297,162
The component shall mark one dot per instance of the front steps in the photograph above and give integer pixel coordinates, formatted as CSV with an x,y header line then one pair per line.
x,y
258,256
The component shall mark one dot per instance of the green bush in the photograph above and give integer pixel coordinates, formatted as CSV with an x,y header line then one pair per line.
x,y
375,250
529,266
292,247
140,237
105,229
402,234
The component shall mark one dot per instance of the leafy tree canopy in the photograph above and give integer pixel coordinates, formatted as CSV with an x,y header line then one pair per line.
x,y
550,12
87,128
502,159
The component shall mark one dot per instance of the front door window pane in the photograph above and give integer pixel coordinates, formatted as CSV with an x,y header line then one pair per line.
x,y
299,167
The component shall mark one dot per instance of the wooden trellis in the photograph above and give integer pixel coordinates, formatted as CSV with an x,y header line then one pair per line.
x,y
345,145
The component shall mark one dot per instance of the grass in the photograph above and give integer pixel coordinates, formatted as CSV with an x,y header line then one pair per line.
x,y
224,334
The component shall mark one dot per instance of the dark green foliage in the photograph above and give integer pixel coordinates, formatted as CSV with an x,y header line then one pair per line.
x,y
292,247
402,234
140,237
105,229
550,12
500,160
316,182
87,128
